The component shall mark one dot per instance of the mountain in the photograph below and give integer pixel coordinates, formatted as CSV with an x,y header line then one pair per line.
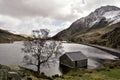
x,y
91,28
6,36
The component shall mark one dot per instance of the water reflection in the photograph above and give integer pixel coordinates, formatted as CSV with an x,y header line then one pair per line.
x,y
10,54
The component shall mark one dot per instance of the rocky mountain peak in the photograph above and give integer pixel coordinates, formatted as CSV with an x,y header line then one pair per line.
x,y
98,14
107,8
99,18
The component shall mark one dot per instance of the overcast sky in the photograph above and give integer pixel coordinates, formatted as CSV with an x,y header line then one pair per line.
x,y
23,16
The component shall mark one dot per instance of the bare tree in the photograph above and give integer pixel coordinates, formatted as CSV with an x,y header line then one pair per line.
x,y
40,50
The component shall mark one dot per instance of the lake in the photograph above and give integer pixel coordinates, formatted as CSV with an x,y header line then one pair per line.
x,y
11,54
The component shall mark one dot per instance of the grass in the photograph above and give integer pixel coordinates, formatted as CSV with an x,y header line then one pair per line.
x,y
112,74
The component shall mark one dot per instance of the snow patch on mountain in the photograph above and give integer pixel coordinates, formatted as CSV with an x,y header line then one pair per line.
x,y
94,22
116,21
112,16
107,12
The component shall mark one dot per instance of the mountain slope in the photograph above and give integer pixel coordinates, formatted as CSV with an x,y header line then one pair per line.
x,y
6,36
82,24
89,29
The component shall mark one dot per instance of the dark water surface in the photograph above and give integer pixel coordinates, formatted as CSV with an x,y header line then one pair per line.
x,y
11,54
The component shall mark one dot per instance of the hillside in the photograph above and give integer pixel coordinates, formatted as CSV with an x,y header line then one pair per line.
x,y
108,36
100,27
6,36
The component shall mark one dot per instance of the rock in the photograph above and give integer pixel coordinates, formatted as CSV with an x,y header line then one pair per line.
x,y
14,75
3,74
29,78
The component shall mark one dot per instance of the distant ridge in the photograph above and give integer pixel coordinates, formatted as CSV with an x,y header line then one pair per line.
x,y
6,36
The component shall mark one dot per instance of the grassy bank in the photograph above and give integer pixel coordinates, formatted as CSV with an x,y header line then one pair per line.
x,y
112,74
111,71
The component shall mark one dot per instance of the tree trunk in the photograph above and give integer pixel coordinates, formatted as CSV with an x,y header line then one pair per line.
x,y
38,68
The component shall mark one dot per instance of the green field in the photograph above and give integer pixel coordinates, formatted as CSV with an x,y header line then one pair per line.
x,y
111,74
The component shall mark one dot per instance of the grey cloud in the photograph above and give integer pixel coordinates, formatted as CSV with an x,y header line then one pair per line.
x,y
25,15
57,9
44,8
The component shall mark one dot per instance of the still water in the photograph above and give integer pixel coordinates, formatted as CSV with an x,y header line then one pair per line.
x,y
11,54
